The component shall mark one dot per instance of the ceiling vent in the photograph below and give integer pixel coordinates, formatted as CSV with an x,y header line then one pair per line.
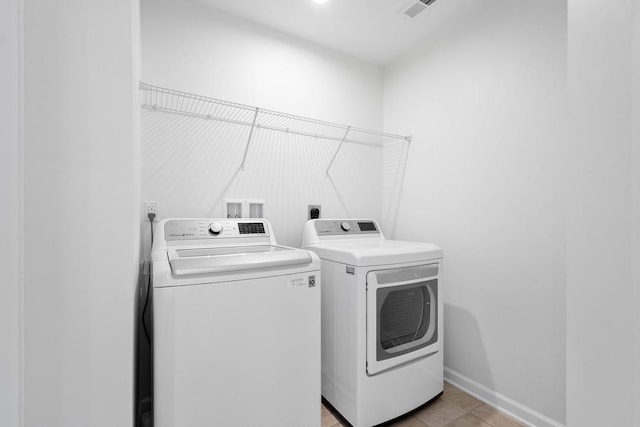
x,y
415,7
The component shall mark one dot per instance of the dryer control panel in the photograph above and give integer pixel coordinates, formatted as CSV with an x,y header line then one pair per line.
x,y
333,227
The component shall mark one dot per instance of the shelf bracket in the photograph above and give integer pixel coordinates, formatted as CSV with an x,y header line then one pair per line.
x,y
344,139
246,149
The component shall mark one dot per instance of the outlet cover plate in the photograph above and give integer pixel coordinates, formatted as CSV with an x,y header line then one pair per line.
x,y
151,207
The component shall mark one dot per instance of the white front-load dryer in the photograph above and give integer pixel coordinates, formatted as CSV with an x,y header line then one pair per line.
x,y
236,326
382,320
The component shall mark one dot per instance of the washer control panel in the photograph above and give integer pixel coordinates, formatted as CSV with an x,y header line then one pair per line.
x,y
333,227
224,228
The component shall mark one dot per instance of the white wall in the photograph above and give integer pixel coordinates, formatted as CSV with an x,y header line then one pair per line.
x,y
190,165
10,244
636,198
493,176
600,306
80,212
485,99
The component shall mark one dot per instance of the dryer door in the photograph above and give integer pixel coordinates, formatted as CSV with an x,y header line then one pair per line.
x,y
402,316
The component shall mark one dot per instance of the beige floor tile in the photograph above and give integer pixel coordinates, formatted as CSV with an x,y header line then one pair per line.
x,y
409,421
454,409
440,413
495,417
327,420
468,420
459,397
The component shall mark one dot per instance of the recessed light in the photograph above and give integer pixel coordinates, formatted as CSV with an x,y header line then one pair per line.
x,y
320,1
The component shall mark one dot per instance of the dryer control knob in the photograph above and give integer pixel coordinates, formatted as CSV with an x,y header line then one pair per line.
x,y
345,226
215,228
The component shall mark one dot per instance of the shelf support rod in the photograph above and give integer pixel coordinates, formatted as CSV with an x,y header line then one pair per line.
x,y
344,139
253,126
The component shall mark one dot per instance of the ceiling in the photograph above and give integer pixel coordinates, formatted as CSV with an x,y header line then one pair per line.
x,y
371,30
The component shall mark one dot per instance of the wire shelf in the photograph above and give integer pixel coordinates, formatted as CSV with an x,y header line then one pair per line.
x,y
189,104
173,101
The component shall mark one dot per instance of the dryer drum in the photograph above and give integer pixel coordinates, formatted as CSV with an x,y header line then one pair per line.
x,y
402,317
407,318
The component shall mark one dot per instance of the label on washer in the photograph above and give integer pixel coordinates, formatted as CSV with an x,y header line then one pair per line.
x,y
302,282
299,282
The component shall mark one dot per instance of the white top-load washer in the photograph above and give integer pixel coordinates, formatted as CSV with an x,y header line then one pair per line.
x,y
381,320
236,326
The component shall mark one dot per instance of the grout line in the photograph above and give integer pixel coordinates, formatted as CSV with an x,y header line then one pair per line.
x,y
456,419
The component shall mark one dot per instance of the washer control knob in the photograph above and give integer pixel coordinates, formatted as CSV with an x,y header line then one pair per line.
x,y
345,226
215,228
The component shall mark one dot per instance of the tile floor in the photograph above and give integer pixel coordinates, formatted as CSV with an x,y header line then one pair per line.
x,y
454,408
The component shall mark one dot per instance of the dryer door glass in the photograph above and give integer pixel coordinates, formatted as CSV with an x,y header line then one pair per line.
x,y
407,318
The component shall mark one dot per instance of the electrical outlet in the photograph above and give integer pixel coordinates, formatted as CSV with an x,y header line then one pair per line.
x,y
313,211
152,207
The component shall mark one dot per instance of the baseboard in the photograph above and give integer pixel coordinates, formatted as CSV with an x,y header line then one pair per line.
x,y
502,403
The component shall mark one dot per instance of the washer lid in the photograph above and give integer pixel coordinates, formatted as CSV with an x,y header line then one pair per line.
x,y
234,258
369,252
